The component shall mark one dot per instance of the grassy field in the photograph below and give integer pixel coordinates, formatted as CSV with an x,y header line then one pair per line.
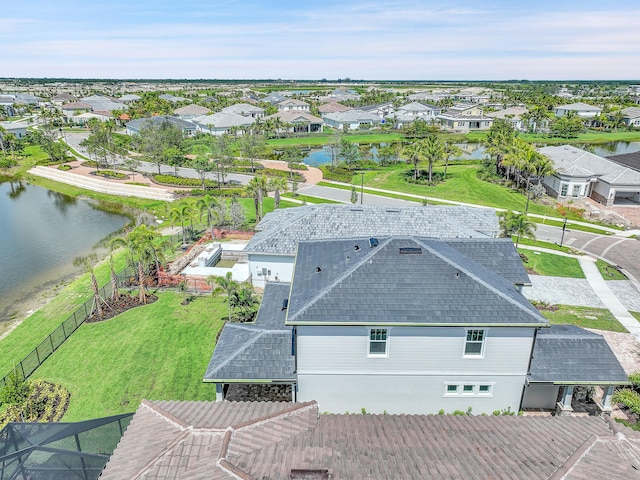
x,y
586,317
609,272
552,265
575,226
541,244
159,351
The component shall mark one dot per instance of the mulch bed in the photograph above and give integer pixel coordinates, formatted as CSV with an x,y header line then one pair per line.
x,y
124,303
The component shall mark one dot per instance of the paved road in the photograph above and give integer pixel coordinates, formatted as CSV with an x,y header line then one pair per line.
x,y
621,251
344,196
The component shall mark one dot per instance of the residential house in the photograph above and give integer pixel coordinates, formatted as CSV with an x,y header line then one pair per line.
x,y
72,109
293,104
271,251
473,95
189,112
351,120
172,98
379,109
274,98
134,127
413,111
467,109
276,440
414,325
583,174
583,110
631,116
339,95
513,115
430,96
84,118
332,107
62,98
7,104
245,109
18,129
223,122
299,121
130,98
464,122
102,103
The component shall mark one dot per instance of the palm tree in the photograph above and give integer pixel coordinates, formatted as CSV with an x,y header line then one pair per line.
x,y
88,262
512,223
414,153
144,251
257,187
244,299
207,205
277,184
434,152
115,293
227,284
499,141
450,150
180,214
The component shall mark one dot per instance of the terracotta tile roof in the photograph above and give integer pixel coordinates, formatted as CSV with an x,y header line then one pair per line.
x,y
246,441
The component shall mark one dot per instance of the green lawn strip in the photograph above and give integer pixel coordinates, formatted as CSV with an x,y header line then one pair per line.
x,y
32,331
541,244
588,137
548,264
586,317
380,194
636,315
608,271
159,351
573,226
308,198
72,150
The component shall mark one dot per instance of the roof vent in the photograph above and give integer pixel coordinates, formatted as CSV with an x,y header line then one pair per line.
x,y
309,474
285,304
318,269
392,210
457,274
356,248
373,242
410,251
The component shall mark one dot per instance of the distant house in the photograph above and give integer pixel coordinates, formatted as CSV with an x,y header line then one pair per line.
x,y
71,109
135,126
293,104
300,121
414,325
379,109
584,174
84,118
189,112
244,109
413,111
464,122
351,120
19,129
102,103
332,107
283,440
7,103
271,251
513,115
274,98
223,122
583,110
130,98
631,116
172,98
62,98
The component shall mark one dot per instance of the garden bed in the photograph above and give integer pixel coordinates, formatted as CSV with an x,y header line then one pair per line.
x,y
124,303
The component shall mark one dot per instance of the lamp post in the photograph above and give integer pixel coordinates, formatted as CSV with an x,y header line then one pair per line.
x,y
564,228
361,186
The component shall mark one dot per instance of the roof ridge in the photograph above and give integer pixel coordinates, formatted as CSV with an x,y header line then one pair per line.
x,y
244,346
487,285
321,294
572,460
151,463
166,415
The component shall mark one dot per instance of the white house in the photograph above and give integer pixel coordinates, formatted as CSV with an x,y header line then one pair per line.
x,y
189,112
223,122
293,104
134,127
631,116
351,119
72,109
464,122
271,252
583,110
584,174
513,115
103,104
300,121
244,109
19,129
404,324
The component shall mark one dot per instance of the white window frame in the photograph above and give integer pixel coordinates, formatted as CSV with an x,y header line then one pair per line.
x,y
475,391
386,342
482,346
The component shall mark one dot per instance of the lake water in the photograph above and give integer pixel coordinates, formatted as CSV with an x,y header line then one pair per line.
x,y
475,151
41,232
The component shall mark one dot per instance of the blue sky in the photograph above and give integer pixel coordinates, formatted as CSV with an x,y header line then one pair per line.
x,y
368,39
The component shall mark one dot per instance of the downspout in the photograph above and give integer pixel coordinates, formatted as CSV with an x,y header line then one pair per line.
x,y
533,345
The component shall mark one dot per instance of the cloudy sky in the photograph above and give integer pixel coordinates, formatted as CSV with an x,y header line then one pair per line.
x,y
307,39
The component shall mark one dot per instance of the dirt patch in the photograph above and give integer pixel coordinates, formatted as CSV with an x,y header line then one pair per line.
x,y
124,303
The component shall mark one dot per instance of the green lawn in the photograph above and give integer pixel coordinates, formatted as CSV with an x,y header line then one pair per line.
x,y
552,265
574,226
636,315
541,244
159,351
609,272
586,317
308,198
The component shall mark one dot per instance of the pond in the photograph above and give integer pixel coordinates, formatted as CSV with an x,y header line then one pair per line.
x,y
476,151
41,232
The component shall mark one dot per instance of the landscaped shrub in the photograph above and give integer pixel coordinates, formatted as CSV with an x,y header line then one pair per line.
x,y
64,167
172,180
110,174
337,174
214,192
629,398
46,402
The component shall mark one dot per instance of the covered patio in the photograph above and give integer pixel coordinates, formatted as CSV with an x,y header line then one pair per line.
x,y
569,362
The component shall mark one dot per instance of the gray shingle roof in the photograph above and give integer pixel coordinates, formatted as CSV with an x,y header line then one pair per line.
x,y
224,120
569,354
262,440
139,123
429,284
256,351
352,116
280,231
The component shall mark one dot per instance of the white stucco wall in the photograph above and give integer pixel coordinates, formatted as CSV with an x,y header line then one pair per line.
x,y
335,369
280,266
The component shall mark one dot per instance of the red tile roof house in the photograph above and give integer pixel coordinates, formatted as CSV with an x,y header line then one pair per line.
x,y
277,441
410,325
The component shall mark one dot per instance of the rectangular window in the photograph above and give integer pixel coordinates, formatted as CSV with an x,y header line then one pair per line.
x,y
484,389
378,341
474,343
564,190
452,389
576,190
468,389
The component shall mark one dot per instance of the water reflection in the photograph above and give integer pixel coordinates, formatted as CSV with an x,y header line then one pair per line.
x,y
61,201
